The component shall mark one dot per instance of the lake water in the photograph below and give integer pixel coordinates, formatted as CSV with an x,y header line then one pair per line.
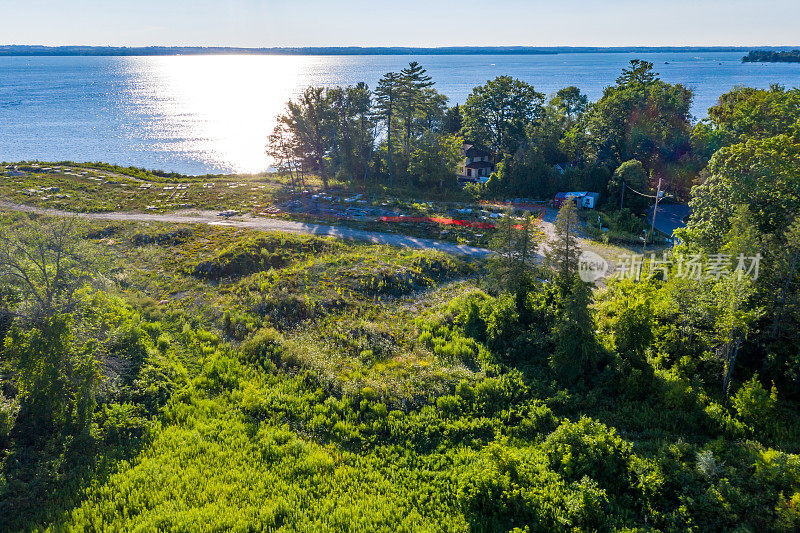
x,y
212,114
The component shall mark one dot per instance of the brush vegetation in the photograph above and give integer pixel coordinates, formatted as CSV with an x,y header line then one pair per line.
x,y
195,378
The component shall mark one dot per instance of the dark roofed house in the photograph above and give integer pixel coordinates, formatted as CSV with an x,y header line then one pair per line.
x,y
477,165
669,218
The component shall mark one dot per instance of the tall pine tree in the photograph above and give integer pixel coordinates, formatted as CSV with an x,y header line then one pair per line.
x,y
414,80
387,95
562,256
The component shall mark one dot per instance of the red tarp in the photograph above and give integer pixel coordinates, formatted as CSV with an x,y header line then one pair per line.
x,y
451,221
440,220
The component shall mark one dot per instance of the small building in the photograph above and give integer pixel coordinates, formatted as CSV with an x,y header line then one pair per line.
x,y
583,199
477,165
590,200
669,217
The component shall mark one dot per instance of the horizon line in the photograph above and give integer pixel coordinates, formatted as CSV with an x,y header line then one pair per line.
x,y
111,50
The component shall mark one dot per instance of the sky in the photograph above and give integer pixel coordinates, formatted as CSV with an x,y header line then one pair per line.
x,y
266,23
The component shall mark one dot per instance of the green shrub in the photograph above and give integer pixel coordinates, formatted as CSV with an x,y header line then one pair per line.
x,y
289,309
156,382
437,265
171,238
126,345
493,394
507,487
502,325
103,233
492,493
255,255
264,349
778,469
472,322
238,325
120,423
449,405
788,511
391,281
8,414
535,419
56,381
754,404
589,448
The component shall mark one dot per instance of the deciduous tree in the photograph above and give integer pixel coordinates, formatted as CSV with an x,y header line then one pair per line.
x,y
629,175
496,113
46,262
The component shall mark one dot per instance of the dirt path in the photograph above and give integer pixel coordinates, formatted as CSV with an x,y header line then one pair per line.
x,y
264,224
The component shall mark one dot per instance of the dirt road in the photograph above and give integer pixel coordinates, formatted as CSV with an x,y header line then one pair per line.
x,y
264,224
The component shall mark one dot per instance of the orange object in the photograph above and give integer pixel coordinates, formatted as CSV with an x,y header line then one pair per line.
x,y
439,220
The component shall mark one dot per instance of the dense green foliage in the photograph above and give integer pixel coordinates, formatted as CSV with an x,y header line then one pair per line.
x,y
212,378
331,132
378,401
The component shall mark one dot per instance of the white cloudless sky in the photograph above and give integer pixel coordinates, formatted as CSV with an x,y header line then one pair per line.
x,y
259,23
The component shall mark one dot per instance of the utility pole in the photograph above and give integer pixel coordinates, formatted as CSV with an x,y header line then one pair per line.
x,y
622,197
655,210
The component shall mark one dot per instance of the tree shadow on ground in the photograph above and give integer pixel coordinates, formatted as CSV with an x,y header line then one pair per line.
x,y
45,478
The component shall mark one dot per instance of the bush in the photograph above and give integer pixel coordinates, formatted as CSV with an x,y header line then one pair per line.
x,y
8,414
438,265
502,325
451,347
108,231
618,226
589,448
120,423
386,280
156,382
708,465
264,349
508,487
491,492
754,404
286,309
238,325
788,510
172,238
495,394
472,322
56,382
255,255
537,419
449,405
126,350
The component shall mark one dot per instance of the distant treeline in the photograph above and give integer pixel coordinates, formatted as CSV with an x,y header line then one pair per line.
x,y
33,50
225,50
762,56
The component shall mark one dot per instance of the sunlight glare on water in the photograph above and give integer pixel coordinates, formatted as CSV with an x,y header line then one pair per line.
x,y
218,109
212,114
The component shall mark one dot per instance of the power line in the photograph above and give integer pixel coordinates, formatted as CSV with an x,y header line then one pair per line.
x,y
626,186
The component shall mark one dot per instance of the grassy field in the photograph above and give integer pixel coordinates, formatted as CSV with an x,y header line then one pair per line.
x,y
84,188
308,384
104,188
